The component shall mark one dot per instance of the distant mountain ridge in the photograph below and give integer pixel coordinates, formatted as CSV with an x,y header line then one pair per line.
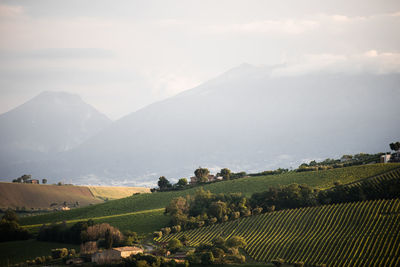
x,y
246,119
50,123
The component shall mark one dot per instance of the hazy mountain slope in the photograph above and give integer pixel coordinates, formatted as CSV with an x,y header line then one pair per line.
x,y
50,123
245,119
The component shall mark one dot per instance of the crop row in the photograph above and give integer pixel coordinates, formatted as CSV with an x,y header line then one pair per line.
x,y
351,234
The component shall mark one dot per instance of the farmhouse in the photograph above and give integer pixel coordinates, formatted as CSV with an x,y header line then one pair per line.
x,y
385,158
32,181
210,178
114,254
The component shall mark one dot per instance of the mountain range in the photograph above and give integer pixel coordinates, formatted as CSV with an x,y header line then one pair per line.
x,y
247,119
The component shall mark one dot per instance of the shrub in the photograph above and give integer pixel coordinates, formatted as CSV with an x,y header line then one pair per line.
x,y
157,234
166,230
174,245
58,253
207,258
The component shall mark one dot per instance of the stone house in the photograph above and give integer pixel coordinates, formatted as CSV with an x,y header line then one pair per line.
x,y
114,254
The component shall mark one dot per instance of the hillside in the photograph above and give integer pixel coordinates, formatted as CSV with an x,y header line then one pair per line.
x,y
248,186
245,119
116,192
351,234
13,195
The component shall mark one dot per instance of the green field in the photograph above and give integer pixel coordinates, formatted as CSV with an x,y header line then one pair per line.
x,y
351,234
20,251
248,186
142,222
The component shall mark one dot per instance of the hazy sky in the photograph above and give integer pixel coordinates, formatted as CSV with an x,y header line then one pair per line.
x,y
122,55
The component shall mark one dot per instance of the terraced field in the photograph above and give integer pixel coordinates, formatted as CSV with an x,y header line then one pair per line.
x,y
351,234
248,186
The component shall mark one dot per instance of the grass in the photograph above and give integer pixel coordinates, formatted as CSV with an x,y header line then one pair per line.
x,y
20,251
248,186
141,222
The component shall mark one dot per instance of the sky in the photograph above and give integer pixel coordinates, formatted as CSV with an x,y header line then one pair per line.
x,y
120,56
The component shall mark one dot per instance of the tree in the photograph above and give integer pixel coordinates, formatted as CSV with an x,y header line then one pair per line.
x,y
10,216
174,245
163,183
44,181
226,173
182,182
109,239
26,177
395,146
236,242
202,174
218,209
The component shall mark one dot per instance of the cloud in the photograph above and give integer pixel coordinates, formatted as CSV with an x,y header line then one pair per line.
x,y
370,61
9,11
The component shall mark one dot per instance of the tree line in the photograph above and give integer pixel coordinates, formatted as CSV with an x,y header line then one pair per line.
x,y
205,208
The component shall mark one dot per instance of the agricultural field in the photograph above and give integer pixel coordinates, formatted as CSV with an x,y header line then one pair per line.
x,y
248,186
351,234
142,222
20,251
116,192
13,195
49,197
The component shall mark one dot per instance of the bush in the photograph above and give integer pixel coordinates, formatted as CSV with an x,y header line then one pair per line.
x,y
58,253
207,258
157,234
278,262
174,245
166,230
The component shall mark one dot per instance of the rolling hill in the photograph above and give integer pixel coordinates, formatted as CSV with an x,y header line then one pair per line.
x,y
121,212
34,196
351,234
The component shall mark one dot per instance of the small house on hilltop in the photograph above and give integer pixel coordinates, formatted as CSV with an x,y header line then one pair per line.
x,y
193,180
32,181
385,158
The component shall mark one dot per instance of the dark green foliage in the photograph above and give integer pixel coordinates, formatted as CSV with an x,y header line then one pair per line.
x,y
44,181
395,146
58,253
10,215
174,245
236,242
182,182
108,239
265,173
163,183
285,197
226,173
202,174
205,208
207,258
150,261
10,229
75,234
219,252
